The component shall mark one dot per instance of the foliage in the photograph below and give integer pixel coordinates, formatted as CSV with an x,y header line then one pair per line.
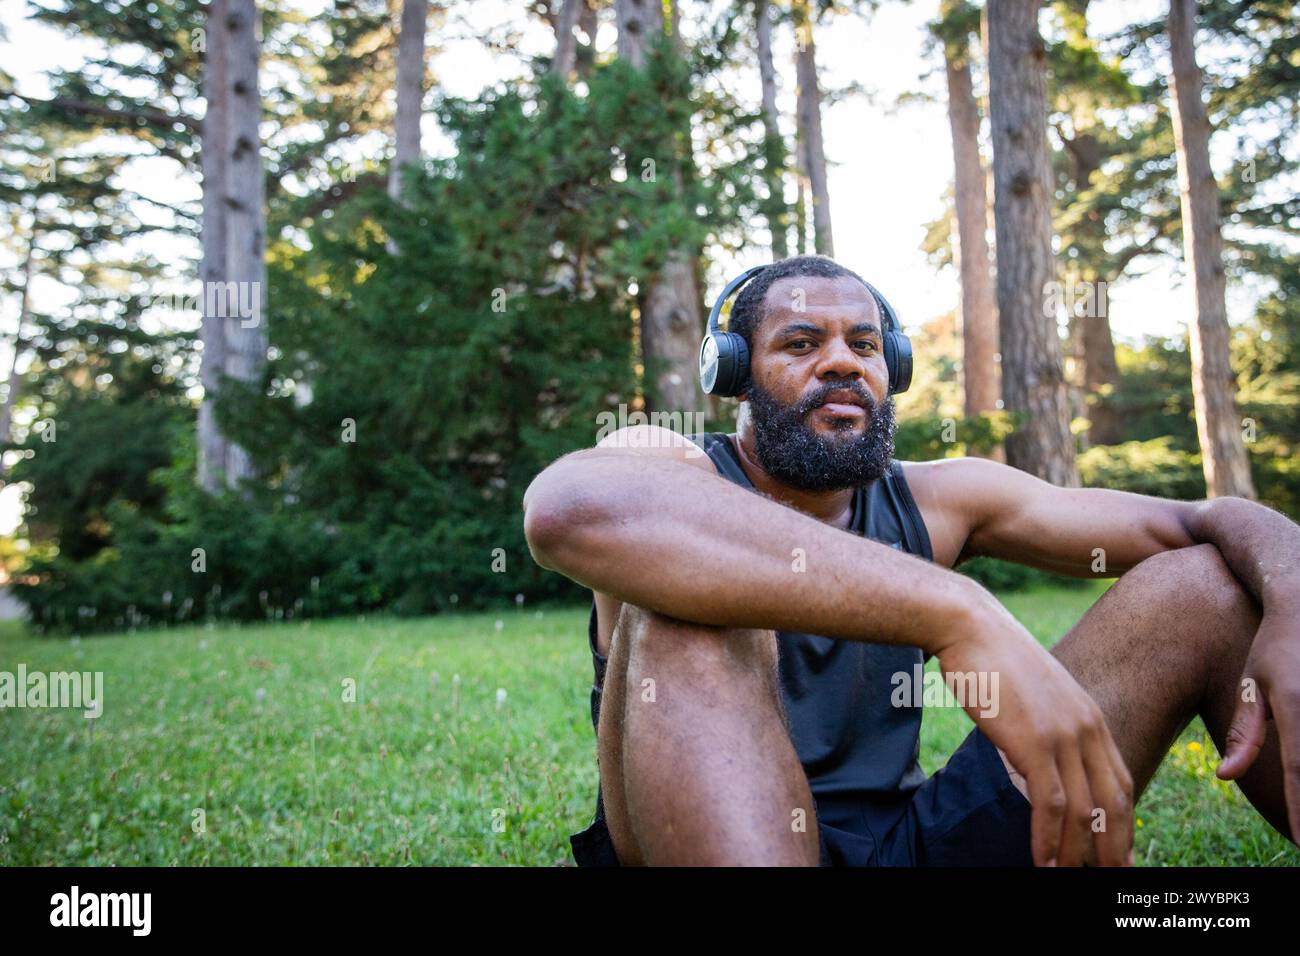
x,y
428,360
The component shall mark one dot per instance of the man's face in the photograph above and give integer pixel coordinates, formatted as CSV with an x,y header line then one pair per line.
x,y
818,393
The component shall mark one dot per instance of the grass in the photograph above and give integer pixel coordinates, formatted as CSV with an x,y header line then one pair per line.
x,y
235,746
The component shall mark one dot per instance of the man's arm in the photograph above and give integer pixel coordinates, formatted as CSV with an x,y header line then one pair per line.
x,y
647,528
984,508
642,526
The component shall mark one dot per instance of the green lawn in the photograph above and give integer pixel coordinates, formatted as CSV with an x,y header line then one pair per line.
x,y
249,726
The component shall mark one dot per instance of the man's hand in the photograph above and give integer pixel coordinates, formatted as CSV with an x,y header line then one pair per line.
x,y
1270,689
1055,736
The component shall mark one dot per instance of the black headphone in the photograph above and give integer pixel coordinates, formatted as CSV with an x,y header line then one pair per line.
x,y
724,356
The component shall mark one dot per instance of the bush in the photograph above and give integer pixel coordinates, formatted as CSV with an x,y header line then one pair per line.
x,y
1154,467
928,437
414,389
1006,576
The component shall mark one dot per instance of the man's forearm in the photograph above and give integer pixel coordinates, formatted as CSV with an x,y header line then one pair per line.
x,y
678,540
1259,545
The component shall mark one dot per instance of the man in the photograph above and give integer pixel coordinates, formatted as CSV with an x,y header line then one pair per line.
x,y
748,651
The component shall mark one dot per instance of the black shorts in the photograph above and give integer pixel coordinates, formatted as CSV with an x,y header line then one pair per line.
x,y
969,813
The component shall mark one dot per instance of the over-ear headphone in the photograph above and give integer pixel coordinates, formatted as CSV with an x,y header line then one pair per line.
x,y
724,356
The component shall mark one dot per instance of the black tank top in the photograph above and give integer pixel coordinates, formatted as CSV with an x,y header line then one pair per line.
x,y
859,752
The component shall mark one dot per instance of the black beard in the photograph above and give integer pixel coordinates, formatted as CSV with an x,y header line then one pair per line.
x,y
793,453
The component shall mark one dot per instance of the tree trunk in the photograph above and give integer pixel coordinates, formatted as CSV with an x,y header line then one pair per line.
x,y
1033,383
671,318
773,146
1227,467
1100,378
587,22
1100,371
801,190
1091,344
810,123
566,41
978,308
410,91
638,21
14,379
245,335
212,272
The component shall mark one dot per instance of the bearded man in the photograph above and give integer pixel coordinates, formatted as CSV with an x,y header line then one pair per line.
x,y
755,607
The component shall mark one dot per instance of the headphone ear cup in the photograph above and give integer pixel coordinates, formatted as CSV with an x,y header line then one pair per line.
x,y
733,364
724,364
898,359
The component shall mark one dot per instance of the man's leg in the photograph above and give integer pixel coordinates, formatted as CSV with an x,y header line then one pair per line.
x,y
696,765
1167,642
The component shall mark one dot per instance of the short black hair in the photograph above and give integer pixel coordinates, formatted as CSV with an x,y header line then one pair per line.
x,y
748,311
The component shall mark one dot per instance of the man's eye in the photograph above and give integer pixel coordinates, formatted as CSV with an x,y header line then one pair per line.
x,y
867,344
797,343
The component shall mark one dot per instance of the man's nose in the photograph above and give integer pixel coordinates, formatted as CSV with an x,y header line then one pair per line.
x,y
838,361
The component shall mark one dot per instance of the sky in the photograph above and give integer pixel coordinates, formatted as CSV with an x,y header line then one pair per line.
x,y
889,166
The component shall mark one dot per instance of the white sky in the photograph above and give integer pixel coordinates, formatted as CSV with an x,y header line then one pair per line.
x,y
889,166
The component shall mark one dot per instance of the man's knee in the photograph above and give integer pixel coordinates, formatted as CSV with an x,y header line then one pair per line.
x,y
699,647
1195,583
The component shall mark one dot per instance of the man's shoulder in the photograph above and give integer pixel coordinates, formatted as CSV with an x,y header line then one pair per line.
x,y
963,468
954,486
653,441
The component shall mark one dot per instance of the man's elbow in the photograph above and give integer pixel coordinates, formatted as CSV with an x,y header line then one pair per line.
x,y
543,527
556,509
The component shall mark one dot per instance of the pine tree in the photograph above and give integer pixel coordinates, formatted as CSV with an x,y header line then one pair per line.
x,y
1227,467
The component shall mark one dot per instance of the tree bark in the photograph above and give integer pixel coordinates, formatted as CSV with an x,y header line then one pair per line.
x,y
773,146
216,123
1033,382
637,21
410,91
245,227
566,42
978,308
810,123
1223,451
671,312
1100,378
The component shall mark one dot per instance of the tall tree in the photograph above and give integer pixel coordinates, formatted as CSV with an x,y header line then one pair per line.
x,y
811,144
978,306
671,317
234,205
410,91
774,157
1033,382
213,452
18,345
1223,451
1086,89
